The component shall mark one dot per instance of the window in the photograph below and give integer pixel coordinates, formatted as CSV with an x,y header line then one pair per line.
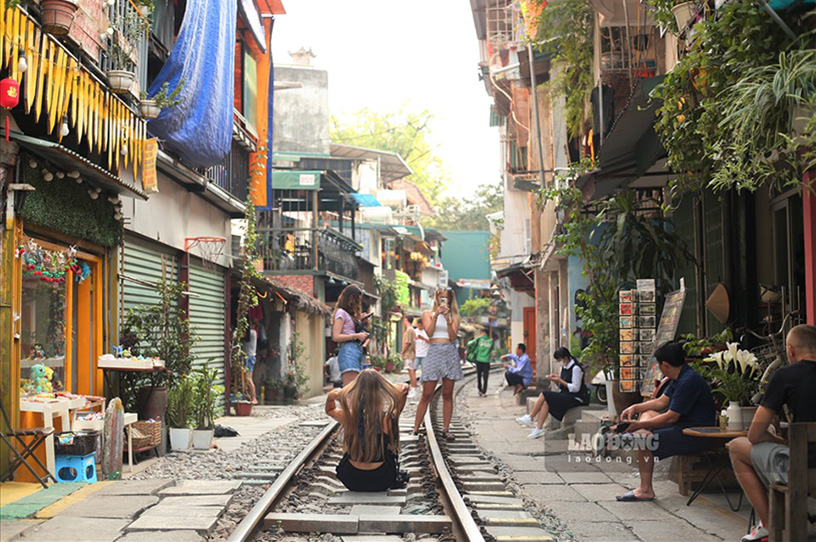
x,y
250,94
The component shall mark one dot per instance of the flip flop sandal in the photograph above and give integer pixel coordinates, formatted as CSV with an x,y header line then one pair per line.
x,y
630,496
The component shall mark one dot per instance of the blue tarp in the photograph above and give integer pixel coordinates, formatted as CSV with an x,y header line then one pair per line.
x,y
199,129
366,200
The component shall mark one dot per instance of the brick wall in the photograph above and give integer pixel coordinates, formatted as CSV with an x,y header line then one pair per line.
x,y
304,283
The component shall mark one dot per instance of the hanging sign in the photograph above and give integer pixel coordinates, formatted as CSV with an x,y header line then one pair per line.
x,y
150,181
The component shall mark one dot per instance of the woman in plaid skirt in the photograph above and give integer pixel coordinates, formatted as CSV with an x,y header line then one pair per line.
x,y
442,362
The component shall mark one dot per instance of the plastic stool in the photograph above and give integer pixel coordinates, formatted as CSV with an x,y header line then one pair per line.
x,y
76,468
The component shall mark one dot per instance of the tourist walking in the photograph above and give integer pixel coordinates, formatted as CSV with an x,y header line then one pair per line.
x,y
347,315
409,352
572,392
423,342
442,363
369,410
250,348
482,348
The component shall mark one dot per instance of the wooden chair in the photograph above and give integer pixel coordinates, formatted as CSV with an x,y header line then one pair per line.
x,y
788,512
37,436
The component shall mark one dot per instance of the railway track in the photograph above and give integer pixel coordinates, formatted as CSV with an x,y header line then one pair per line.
x,y
431,506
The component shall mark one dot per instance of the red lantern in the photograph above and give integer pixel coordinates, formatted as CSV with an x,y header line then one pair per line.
x,y
9,97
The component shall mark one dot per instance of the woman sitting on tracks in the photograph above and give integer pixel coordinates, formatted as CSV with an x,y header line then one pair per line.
x,y
369,414
442,362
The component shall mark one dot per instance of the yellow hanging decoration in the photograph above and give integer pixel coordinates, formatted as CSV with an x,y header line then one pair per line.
x,y
58,83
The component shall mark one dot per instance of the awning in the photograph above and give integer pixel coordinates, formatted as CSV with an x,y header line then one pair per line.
x,y
69,160
251,16
366,200
392,165
632,147
520,276
296,180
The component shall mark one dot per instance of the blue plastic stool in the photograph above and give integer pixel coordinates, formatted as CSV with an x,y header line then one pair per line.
x,y
76,468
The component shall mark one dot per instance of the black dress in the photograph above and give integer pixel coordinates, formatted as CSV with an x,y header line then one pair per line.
x,y
561,401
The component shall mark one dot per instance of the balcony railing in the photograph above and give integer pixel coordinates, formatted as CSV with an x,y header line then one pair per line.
x,y
232,174
309,249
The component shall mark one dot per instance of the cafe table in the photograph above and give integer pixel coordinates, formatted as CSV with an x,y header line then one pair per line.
x,y
719,438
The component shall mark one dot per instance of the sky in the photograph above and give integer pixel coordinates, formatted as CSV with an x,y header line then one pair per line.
x,y
381,54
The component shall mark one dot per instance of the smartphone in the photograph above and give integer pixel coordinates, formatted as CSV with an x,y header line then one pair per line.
x,y
622,427
443,301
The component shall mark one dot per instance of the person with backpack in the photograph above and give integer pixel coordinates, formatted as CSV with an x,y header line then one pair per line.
x,y
572,392
479,350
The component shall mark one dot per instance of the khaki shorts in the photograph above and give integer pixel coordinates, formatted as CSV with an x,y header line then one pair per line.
x,y
410,364
771,461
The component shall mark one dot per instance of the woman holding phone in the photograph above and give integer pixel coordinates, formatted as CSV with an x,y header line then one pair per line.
x,y
347,316
442,362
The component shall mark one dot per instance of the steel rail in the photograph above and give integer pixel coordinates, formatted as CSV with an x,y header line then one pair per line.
x,y
247,526
461,513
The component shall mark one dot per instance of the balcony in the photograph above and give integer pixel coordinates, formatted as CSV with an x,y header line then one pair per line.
x,y
232,174
323,250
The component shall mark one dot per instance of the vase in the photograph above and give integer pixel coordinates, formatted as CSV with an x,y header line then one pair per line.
x,y
151,402
683,14
120,81
57,16
180,438
242,408
149,109
734,413
202,438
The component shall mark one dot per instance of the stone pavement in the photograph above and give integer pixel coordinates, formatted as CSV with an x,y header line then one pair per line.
x,y
128,511
582,495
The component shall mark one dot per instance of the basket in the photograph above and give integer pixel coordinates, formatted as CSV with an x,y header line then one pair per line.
x,y
76,443
139,439
150,430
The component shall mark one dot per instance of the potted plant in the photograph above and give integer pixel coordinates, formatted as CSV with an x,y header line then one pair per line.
x,y
129,30
206,401
150,108
272,389
735,376
242,404
179,402
159,331
58,16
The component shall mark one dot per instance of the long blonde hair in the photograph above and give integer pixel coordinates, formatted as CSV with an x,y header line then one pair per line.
x,y
452,305
366,402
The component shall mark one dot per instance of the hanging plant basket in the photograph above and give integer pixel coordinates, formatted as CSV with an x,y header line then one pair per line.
x,y
683,14
149,109
57,16
120,81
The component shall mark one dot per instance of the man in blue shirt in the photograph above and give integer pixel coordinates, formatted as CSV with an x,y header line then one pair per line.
x,y
519,373
687,402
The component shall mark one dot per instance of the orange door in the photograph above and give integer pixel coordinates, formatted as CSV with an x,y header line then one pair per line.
x,y
530,336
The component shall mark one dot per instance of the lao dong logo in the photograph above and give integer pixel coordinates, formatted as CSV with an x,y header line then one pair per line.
x,y
613,442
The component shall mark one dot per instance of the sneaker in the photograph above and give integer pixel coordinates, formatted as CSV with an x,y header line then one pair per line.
x,y
757,534
413,394
537,433
525,420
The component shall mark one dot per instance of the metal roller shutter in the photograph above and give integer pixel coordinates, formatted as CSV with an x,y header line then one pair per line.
x,y
143,268
208,315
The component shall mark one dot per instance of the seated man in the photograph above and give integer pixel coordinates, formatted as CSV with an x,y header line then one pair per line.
x,y
761,458
519,372
690,404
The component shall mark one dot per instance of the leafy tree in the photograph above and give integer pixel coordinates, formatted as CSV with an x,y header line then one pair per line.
x,y
470,214
479,306
403,132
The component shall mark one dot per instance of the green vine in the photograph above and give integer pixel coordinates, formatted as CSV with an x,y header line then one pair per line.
x,y
701,145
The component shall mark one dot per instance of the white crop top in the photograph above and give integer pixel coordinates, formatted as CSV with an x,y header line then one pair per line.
x,y
441,329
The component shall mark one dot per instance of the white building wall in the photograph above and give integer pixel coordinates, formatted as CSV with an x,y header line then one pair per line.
x,y
175,213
